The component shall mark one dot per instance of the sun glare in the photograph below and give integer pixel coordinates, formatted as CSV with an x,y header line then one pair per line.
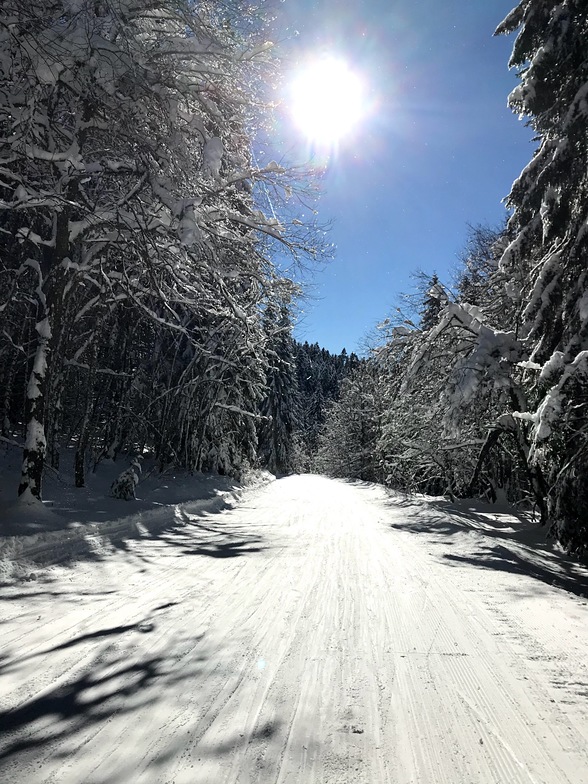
x,y
327,100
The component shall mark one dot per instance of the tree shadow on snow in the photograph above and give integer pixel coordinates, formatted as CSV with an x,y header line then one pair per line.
x,y
215,534
506,540
506,560
116,683
489,519
8,662
263,733
15,596
113,684
225,549
91,698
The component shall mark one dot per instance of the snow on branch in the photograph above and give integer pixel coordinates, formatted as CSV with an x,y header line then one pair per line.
x,y
552,406
477,355
237,410
103,371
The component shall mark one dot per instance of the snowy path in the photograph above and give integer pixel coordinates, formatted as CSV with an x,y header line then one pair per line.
x,y
307,636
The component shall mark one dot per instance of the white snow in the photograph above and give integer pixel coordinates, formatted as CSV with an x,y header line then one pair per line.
x,y
43,329
273,167
35,434
401,332
553,367
549,412
39,368
488,357
583,305
212,156
251,53
189,230
321,631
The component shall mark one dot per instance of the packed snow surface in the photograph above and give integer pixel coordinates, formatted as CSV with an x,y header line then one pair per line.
x,y
319,632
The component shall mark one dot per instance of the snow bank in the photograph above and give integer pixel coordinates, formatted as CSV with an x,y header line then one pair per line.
x,y
80,521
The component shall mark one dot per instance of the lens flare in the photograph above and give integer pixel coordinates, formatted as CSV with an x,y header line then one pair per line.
x,y
327,100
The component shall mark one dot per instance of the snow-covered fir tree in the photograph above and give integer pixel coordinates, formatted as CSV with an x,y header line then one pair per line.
x,y
347,445
546,260
433,303
320,374
280,405
125,484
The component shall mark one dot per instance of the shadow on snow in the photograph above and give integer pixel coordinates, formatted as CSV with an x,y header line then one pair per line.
x,y
216,534
506,541
117,681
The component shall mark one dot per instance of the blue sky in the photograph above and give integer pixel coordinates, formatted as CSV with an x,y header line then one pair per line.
x,y
441,149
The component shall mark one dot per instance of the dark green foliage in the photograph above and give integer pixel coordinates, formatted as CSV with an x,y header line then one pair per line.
x,y
279,407
433,303
319,375
347,446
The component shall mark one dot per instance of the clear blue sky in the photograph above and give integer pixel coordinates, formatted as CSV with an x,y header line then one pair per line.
x,y
441,150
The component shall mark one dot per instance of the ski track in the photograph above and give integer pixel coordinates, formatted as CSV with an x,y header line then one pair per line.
x,y
298,638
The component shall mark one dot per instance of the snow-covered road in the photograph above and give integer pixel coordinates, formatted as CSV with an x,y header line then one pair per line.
x,y
320,632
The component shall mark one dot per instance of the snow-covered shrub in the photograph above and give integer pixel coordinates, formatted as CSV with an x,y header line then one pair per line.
x,y
13,570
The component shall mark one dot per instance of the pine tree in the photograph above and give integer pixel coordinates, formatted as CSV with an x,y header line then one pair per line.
x,y
347,445
319,375
281,404
434,301
478,281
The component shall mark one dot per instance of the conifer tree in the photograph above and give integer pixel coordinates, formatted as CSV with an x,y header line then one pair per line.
x,y
433,303
280,406
347,445
545,262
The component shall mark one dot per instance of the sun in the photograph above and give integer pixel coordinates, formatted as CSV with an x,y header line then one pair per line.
x,y
327,100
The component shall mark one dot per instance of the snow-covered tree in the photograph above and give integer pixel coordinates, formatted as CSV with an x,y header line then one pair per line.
x,y
434,301
126,482
280,405
480,400
128,198
320,374
478,281
546,260
454,384
347,443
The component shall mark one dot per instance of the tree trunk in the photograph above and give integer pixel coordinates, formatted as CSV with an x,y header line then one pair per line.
x,y
491,440
84,437
534,474
35,442
55,387
8,379
50,291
